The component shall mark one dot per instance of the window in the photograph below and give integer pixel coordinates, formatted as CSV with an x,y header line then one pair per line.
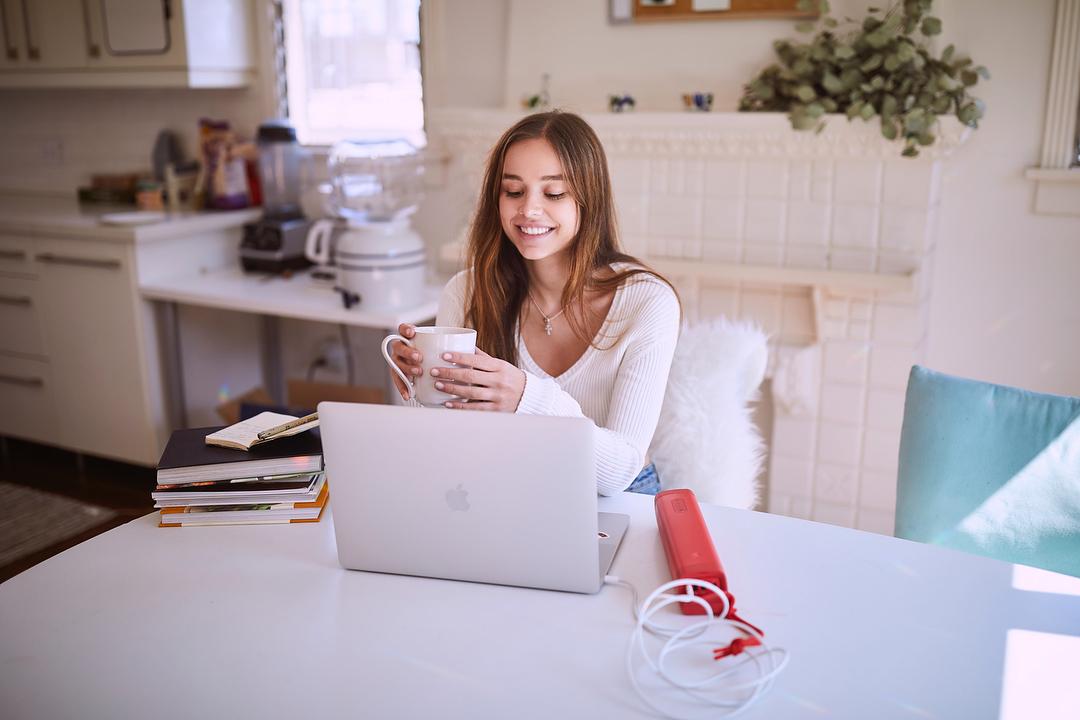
x,y
352,70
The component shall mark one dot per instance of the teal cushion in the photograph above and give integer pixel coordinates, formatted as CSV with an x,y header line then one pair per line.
x,y
990,469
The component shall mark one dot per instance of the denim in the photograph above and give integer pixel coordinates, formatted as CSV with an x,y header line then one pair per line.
x,y
647,482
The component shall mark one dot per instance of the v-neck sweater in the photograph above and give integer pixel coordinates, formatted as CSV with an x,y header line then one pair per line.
x,y
618,385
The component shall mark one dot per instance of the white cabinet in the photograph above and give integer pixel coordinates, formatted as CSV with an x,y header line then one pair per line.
x,y
127,43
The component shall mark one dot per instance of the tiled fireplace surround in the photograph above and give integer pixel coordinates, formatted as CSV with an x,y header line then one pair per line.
x,y
826,240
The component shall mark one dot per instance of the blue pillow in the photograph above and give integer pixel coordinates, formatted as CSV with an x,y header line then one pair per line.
x,y
990,469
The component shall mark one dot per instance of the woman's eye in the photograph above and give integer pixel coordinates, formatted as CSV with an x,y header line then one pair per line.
x,y
513,193
556,196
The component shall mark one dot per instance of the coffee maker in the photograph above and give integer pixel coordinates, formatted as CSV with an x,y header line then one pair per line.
x,y
275,243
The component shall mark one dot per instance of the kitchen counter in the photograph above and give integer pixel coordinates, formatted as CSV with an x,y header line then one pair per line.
x,y
63,216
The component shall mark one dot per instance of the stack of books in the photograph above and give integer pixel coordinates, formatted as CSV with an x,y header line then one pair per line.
x,y
272,482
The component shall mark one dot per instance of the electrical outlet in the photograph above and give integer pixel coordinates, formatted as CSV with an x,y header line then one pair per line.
x,y
52,152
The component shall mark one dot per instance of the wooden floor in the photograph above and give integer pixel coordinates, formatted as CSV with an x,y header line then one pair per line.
x,y
123,488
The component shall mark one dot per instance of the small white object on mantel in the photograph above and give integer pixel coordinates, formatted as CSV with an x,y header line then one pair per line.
x,y
710,5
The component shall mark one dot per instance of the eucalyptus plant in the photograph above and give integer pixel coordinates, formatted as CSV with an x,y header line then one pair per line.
x,y
882,67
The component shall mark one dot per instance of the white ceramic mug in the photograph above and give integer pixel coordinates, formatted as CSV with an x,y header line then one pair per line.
x,y
432,342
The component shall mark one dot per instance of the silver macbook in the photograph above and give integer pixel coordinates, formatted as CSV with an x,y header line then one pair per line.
x,y
484,497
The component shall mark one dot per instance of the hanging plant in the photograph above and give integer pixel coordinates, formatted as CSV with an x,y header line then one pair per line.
x,y
880,68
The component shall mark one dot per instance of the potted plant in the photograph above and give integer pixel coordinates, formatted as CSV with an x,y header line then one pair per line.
x,y
880,68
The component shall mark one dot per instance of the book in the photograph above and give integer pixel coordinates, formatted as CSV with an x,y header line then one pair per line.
x,y
188,459
262,428
243,514
307,493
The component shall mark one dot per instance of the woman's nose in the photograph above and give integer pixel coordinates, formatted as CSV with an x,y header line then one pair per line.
x,y
531,209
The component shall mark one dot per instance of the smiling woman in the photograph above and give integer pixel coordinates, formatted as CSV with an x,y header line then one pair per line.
x,y
566,323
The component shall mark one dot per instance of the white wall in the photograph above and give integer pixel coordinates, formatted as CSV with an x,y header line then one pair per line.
x,y
1006,304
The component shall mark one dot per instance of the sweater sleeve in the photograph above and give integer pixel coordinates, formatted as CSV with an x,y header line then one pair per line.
x,y
637,392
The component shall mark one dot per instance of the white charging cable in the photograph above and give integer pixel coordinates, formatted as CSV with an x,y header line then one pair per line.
x,y
710,689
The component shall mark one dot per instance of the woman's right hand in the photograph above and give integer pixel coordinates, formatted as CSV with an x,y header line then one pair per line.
x,y
406,358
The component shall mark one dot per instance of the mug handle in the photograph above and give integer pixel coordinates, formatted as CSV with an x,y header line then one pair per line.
x,y
317,247
393,366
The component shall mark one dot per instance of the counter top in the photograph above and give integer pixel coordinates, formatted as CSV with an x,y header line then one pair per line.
x,y
39,215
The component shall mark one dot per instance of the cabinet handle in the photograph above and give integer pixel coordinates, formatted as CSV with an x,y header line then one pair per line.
x,y
92,48
33,52
10,50
15,300
23,381
12,254
81,262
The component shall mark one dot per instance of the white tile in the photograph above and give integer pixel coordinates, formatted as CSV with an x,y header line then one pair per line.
x,y
858,330
779,504
762,307
875,521
908,182
676,179
842,403
839,444
716,251
723,218
890,366
658,176
766,179
807,257
897,323
797,316
903,229
790,477
854,226
860,309
882,449
629,175
657,245
807,223
834,514
631,210
772,255
846,361
724,178
821,181
902,264
799,178
801,507
852,260
877,490
836,308
674,216
857,181
635,244
833,329
885,409
675,247
764,222
693,248
836,484
717,301
694,177
793,437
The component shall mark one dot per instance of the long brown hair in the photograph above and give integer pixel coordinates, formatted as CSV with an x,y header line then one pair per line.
x,y
499,282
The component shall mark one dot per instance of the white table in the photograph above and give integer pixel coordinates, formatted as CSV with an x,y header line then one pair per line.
x,y
260,621
270,297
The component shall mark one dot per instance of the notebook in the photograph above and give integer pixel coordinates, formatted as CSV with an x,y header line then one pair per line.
x,y
187,458
483,497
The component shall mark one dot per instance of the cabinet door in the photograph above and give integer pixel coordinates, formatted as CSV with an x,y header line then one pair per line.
x,y
55,34
93,329
12,36
142,34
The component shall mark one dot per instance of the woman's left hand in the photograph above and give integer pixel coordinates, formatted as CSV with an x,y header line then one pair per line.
x,y
487,383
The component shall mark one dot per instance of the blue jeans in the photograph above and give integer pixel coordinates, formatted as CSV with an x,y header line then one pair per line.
x,y
647,482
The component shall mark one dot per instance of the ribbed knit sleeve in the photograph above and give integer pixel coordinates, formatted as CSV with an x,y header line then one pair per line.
x,y
637,385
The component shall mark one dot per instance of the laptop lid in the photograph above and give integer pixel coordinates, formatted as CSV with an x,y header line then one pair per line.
x,y
485,497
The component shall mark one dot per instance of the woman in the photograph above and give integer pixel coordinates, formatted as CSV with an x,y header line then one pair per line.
x,y
571,326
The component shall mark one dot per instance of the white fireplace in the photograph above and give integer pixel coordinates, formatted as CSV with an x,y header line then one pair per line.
x,y
826,240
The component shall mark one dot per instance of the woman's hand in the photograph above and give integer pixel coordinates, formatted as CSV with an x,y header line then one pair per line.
x,y
406,358
485,382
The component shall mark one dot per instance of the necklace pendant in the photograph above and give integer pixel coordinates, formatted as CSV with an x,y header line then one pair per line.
x,y
547,325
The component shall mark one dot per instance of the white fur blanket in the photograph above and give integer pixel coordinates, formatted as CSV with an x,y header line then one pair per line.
x,y
706,439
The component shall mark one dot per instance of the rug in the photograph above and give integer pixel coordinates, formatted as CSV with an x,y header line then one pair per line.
x,y
32,520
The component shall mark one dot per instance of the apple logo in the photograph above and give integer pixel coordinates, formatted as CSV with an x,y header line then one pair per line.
x,y
458,498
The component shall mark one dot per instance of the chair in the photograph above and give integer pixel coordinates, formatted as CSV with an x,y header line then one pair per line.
x,y
706,439
991,470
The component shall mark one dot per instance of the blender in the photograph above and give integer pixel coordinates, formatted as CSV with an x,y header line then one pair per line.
x,y
378,259
275,243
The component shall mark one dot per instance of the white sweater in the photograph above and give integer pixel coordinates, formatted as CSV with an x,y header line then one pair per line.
x,y
620,388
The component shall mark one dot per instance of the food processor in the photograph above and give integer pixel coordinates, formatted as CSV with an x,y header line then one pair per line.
x,y
379,260
276,242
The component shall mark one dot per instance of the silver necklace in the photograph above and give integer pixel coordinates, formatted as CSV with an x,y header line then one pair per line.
x,y
547,320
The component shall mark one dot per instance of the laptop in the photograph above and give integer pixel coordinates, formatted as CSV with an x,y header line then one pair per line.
x,y
483,497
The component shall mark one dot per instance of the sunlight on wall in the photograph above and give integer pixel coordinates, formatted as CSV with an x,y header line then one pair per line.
x,y
1037,667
